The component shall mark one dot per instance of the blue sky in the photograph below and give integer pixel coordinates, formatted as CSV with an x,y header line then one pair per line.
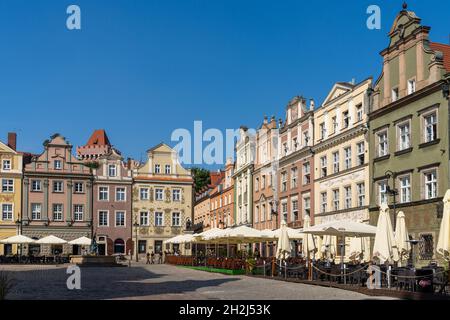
x,y
141,69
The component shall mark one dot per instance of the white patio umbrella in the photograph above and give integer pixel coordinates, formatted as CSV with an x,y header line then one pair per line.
x,y
329,246
19,239
240,234
200,237
319,244
346,228
50,240
294,234
385,247
82,241
308,239
402,237
359,249
283,243
443,245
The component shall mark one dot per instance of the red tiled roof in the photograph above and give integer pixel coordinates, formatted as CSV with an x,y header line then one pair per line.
x,y
100,138
445,49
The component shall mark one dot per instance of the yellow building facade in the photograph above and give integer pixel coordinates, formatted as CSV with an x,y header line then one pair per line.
x,y
11,164
162,200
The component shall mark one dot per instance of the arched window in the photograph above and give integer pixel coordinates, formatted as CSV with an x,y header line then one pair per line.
x,y
119,246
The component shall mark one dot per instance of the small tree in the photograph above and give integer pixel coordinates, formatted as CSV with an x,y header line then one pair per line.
x,y
201,178
6,284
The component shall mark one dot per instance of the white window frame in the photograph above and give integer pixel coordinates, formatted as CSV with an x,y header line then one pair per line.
x,y
323,166
435,124
57,164
159,223
347,197
382,195
76,187
6,167
284,210
143,193
336,199
144,219
361,190
7,215
323,202
100,192
382,145
121,191
294,178
359,112
58,183
433,182
101,222
38,182
168,169
412,85
306,173
294,217
179,219
178,197
58,212
347,158
157,198
395,94
77,213
157,168
284,181
336,161
405,190
116,215
7,186
361,153
403,144
36,215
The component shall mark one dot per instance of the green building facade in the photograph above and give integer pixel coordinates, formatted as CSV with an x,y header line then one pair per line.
x,y
409,132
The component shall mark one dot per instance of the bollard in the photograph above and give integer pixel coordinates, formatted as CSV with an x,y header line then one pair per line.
x,y
264,263
285,270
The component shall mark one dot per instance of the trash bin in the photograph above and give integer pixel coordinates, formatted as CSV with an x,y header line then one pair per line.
x,y
424,284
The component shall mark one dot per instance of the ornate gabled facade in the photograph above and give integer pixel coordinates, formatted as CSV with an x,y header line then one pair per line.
x,y
97,146
295,180
264,173
162,199
11,163
243,187
341,156
112,204
409,131
57,196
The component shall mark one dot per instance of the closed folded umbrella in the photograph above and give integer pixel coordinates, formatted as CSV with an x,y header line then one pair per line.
x,y
309,239
385,247
20,239
443,245
402,237
283,243
51,240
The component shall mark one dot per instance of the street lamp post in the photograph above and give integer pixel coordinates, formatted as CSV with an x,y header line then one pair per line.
x,y
392,192
136,225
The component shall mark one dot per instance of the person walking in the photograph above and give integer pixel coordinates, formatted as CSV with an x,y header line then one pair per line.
x,y
148,258
160,257
153,258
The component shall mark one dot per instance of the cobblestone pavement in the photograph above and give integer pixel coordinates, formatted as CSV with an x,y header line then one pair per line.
x,y
159,282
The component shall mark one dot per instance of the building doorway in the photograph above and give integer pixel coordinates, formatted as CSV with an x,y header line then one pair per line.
x,y
119,246
158,246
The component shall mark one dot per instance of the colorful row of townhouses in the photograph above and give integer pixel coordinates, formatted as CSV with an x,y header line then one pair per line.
x,y
94,194
372,142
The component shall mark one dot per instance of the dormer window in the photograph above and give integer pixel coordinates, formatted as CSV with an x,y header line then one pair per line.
x,y
346,119
112,170
395,94
167,169
411,86
157,168
6,165
323,131
57,164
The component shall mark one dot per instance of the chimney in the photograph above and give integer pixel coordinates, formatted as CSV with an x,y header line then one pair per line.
x,y
312,104
12,140
129,163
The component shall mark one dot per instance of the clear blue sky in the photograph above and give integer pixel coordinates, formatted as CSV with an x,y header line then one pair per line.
x,y
141,69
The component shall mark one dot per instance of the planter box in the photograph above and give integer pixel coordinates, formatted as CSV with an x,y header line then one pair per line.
x,y
215,270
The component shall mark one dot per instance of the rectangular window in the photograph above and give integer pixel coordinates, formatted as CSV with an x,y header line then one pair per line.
x,y
284,211
405,189
256,184
306,206
78,187
120,194
306,173
263,182
143,218
257,214
359,112
78,212
285,148
58,186
158,219
6,165
306,138
382,143
348,197
336,200
7,212
395,94
294,178
323,202
57,164
430,184
294,205
382,196
159,194
361,148
103,193
167,169
112,170
120,219
361,194
430,125
411,86
7,185
295,144
335,124
36,209
404,136
263,212
176,195
284,182
348,158
57,212
323,167
346,119
157,168
103,218
36,185
336,162
176,219
143,193
323,131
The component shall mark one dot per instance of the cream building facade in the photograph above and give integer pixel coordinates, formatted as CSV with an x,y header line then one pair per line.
x,y
162,200
243,186
341,154
11,165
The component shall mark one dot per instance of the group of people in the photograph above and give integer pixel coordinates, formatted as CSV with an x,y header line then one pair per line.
x,y
151,257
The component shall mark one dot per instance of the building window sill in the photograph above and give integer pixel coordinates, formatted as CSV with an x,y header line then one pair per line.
x,y
382,158
404,151
431,143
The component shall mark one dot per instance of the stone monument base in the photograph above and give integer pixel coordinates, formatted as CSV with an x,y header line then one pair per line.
x,y
95,261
